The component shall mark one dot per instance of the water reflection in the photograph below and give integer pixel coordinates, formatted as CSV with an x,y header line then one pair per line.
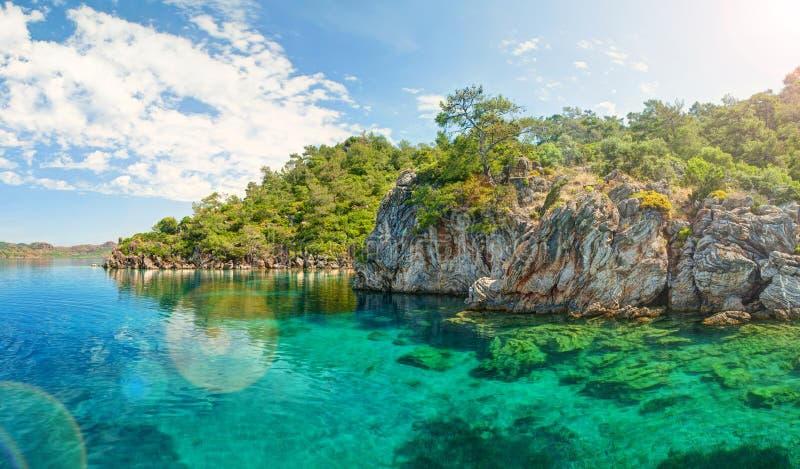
x,y
221,328
36,430
283,293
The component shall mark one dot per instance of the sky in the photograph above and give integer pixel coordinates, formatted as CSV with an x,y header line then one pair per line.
x,y
116,113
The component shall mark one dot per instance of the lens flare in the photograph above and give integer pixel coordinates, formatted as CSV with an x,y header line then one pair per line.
x,y
222,337
36,430
10,455
222,357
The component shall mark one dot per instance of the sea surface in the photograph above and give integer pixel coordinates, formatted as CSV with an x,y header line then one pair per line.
x,y
293,369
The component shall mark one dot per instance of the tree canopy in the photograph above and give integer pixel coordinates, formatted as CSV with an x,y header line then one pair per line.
x,y
324,200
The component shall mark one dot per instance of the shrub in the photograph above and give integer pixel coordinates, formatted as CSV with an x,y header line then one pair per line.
x,y
552,196
684,233
719,194
654,200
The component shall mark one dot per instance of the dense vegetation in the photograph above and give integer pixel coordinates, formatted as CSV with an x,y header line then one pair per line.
x,y
324,201
47,250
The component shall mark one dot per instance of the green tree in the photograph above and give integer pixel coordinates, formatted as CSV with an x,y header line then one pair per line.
x,y
487,120
167,225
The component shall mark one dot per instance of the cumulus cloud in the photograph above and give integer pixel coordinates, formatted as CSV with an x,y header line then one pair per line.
x,y
606,108
11,178
6,163
428,105
580,64
155,114
412,90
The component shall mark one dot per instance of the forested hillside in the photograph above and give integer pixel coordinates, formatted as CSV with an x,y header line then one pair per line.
x,y
324,200
47,250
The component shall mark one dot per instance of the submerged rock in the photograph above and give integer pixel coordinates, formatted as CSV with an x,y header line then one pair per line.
x,y
427,358
771,396
727,318
511,359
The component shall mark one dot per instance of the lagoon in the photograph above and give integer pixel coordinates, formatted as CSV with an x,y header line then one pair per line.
x,y
295,369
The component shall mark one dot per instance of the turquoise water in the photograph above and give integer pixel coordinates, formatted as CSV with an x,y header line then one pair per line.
x,y
253,369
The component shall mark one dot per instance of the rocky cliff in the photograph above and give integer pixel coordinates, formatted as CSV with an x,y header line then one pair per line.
x,y
602,251
445,258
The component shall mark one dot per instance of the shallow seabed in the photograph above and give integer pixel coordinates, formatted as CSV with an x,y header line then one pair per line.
x,y
292,369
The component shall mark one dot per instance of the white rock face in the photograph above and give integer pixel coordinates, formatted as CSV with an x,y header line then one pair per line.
x,y
596,253
445,258
584,253
719,267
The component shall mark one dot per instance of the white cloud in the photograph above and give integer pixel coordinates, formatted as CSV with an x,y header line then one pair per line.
x,y
6,163
191,117
412,90
606,108
648,88
521,50
236,10
11,178
54,184
428,105
385,131
525,46
580,64
96,161
348,77
614,54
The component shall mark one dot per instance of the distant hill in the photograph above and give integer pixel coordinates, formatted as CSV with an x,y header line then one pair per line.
x,y
44,250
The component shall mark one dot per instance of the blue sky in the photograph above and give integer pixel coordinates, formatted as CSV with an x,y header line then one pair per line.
x,y
114,114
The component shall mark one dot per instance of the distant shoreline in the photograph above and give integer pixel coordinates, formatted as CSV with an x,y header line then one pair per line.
x,y
43,250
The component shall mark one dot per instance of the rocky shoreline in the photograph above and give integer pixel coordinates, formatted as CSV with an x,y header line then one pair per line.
x,y
611,252
119,260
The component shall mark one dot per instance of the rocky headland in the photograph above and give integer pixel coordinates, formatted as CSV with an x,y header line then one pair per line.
x,y
121,260
615,248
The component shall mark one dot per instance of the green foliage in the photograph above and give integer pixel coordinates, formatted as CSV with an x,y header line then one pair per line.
x,y
477,196
684,233
719,194
434,203
168,225
552,196
322,202
486,129
654,200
